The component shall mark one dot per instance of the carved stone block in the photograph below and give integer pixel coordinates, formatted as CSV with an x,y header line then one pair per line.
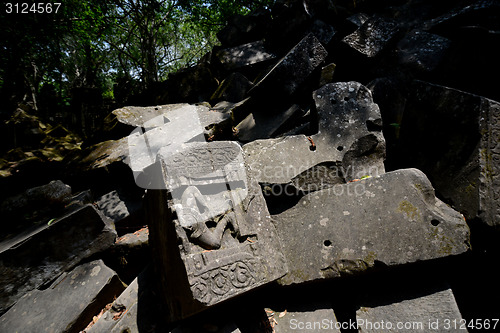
x,y
453,137
372,37
349,143
210,228
390,220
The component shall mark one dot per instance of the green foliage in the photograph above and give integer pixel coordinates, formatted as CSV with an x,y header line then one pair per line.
x,y
92,44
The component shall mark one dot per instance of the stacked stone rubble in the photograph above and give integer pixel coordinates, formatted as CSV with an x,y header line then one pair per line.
x,y
321,166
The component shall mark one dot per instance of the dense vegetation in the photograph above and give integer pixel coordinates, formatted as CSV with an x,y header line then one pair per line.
x,y
45,58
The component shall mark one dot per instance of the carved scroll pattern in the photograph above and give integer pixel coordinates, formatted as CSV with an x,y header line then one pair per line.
x,y
490,161
222,282
199,161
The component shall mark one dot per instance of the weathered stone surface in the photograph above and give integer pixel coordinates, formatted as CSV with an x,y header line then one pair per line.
x,y
232,89
436,311
455,17
390,95
168,131
422,51
305,318
166,125
68,304
459,148
358,19
323,31
393,219
202,260
130,254
190,85
118,206
349,143
372,37
38,256
327,74
245,28
244,55
135,310
287,27
148,116
262,125
194,327
293,69
55,193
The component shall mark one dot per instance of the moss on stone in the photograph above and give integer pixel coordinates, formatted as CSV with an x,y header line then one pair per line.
x,y
410,210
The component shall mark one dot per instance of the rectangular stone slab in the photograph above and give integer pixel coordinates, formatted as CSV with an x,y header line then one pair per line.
x,y
306,318
435,312
57,247
68,304
244,55
136,309
454,137
389,220
210,228
293,69
372,37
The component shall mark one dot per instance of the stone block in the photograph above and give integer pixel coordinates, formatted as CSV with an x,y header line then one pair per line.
x,y
135,310
390,220
437,311
327,74
372,37
261,124
167,131
454,138
33,259
210,229
151,128
422,51
233,89
305,318
293,69
349,143
130,254
33,206
244,55
150,116
68,304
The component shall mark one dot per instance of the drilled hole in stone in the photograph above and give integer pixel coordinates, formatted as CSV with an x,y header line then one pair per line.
x,y
312,148
327,243
435,222
340,148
